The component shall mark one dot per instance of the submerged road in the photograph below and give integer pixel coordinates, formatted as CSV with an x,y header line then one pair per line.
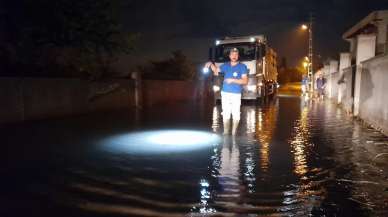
x,y
291,157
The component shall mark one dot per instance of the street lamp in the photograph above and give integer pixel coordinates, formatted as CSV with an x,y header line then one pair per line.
x,y
305,65
310,73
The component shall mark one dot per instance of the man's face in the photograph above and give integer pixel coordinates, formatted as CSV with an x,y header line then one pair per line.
x,y
233,56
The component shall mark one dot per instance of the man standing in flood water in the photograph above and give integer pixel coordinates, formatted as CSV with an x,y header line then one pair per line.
x,y
235,76
321,84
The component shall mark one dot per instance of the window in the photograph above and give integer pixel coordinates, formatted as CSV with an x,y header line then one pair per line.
x,y
247,51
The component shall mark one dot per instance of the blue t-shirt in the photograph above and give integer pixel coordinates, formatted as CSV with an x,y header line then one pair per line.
x,y
233,72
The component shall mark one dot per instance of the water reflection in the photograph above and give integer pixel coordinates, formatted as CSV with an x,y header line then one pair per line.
x,y
289,159
251,120
265,128
229,172
240,160
244,171
216,119
205,198
299,142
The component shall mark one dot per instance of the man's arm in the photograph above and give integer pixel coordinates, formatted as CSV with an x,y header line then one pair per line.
x,y
242,81
216,70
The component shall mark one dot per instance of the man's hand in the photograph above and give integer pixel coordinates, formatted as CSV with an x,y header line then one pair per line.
x,y
214,68
208,64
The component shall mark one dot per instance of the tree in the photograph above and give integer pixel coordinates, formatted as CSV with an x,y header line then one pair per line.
x,y
177,67
64,35
287,75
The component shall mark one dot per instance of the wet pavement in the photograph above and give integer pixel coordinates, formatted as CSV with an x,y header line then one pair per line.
x,y
291,157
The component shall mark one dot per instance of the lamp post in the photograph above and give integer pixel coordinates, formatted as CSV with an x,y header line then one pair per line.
x,y
310,72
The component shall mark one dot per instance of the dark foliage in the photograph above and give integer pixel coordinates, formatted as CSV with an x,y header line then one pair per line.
x,y
61,37
178,67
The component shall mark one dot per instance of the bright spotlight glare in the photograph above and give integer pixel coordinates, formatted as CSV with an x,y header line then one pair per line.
x,y
162,141
205,70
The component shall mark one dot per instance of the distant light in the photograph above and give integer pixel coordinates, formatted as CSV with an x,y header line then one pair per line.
x,y
252,39
251,88
162,141
260,84
216,88
218,42
304,27
278,85
205,70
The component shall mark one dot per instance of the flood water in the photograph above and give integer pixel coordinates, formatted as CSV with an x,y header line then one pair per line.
x,y
291,157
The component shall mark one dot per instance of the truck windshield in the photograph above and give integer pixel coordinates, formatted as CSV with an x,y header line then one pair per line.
x,y
247,51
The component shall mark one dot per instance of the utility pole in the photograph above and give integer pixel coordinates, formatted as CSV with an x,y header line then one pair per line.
x,y
311,57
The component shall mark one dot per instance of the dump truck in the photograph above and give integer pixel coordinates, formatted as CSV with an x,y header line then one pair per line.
x,y
260,59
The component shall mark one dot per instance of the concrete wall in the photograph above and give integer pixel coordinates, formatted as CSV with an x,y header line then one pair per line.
x,y
347,98
363,91
366,49
157,92
345,62
331,74
373,106
41,98
332,80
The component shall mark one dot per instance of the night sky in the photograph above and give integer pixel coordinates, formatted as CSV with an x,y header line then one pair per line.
x,y
192,26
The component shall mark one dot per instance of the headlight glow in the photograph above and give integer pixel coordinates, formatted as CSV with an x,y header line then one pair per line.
x,y
251,88
216,88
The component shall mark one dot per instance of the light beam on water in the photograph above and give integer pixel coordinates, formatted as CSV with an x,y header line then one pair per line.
x,y
161,141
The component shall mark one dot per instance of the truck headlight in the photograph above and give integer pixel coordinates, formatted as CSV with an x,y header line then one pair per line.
x,y
251,88
216,88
